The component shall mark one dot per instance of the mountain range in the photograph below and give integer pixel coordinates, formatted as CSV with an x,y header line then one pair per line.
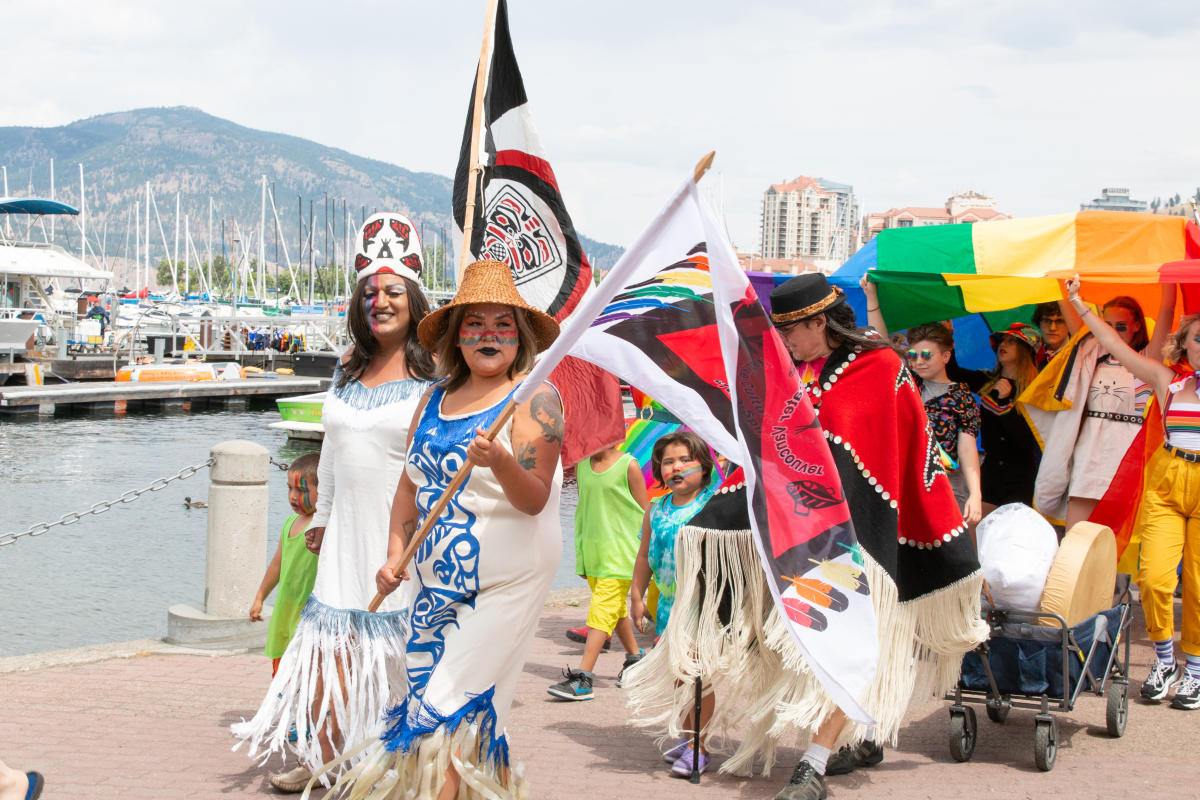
x,y
199,156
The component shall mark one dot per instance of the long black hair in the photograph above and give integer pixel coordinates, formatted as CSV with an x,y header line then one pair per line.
x,y
363,346
841,329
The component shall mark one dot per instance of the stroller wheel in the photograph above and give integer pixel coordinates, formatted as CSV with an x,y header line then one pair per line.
x,y
1045,743
997,710
1118,708
963,732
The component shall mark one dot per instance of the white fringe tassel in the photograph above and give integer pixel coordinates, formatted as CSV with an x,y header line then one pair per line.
x,y
764,687
420,773
358,658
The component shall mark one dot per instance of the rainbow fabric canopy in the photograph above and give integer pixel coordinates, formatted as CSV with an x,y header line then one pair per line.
x,y
945,271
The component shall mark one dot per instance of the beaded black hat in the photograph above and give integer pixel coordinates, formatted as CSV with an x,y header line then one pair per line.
x,y
802,297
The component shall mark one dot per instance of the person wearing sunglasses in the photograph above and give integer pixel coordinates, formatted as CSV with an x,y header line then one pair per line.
x,y
1087,407
952,411
1168,518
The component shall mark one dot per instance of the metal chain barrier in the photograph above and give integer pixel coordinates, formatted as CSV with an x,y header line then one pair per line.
x,y
281,464
99,508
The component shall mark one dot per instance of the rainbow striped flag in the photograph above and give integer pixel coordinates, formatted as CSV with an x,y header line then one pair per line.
x,y
946,271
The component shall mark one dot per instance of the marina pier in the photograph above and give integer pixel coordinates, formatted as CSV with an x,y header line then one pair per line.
x,y
116,397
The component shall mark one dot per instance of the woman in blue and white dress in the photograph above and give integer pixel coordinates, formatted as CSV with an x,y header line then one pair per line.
x,y
344,665
482,575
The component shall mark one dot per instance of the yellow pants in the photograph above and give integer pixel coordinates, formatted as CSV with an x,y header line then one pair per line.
x,y
1170,527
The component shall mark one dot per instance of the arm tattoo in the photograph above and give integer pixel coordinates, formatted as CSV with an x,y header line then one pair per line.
x,y
546,413
409,527
526,456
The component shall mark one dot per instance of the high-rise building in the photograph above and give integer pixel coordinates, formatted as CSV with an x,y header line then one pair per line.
x,y
1114,199
810,218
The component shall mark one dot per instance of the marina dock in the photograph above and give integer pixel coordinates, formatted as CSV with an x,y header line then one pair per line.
x,y
102,396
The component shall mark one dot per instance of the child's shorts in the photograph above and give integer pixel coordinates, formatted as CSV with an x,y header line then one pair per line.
x,y
609,603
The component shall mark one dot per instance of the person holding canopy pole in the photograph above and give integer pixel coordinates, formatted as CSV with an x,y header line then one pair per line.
x,y
486,553
1169,517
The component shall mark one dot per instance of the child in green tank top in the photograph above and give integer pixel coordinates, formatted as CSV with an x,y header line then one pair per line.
x,y
293,568
608,519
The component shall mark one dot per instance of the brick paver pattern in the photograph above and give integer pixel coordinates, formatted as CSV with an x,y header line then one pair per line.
x,y
156,727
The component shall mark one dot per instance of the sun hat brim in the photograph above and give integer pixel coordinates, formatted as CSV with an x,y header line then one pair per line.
x,y
486,282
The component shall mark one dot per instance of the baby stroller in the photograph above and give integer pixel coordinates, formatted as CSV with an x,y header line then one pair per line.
x,y
1034,660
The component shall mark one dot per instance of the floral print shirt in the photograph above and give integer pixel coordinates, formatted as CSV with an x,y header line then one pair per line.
x,y
951,411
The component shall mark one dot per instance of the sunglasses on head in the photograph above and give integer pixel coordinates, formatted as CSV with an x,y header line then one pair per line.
x,y
913,355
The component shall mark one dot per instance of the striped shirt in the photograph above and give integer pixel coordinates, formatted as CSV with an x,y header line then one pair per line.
x,y
1181,421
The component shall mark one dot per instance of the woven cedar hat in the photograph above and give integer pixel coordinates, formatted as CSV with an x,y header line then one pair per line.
x,y
486,282
389,243
1025,334
803,297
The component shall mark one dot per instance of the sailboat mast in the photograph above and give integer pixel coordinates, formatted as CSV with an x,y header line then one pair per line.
x,y
187,274
82,219
146,252
52,197
262,240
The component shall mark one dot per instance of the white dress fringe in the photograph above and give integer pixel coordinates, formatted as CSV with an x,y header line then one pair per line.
x,y
382,774
764,688
366,650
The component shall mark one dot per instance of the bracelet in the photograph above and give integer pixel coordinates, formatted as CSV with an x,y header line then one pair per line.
x,y
869,309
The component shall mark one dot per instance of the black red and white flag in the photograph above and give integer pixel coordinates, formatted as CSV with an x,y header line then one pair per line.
x,y
520,217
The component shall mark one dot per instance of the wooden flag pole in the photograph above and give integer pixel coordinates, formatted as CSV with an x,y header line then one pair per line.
x,y
481,76
434,513
465,470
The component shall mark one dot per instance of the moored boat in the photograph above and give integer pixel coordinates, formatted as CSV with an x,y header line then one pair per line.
x,y
300,416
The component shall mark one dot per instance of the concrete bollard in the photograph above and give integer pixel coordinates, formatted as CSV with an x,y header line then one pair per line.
x,y
236,553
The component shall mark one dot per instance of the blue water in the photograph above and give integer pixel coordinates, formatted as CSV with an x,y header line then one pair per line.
x,y
111,577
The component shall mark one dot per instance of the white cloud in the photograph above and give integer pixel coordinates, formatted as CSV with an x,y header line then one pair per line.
x,y
1041,104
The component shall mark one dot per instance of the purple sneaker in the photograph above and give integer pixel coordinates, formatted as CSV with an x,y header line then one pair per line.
x,y
672,755
683,765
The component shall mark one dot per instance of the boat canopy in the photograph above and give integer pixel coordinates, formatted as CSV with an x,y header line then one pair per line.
x,y
34,205
46,261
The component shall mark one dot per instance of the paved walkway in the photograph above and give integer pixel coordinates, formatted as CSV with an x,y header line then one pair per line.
x,y
154,727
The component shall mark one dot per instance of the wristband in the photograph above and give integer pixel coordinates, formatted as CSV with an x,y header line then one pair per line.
x,y
869,309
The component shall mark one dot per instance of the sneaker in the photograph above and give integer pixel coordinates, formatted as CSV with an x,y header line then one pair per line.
x,y
292,781
1187,696
1160,680
672,755
848,759
683,765
806,784
577,686
630,660
580,635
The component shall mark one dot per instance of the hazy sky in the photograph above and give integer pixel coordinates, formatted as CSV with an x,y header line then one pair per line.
x,y
908,102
